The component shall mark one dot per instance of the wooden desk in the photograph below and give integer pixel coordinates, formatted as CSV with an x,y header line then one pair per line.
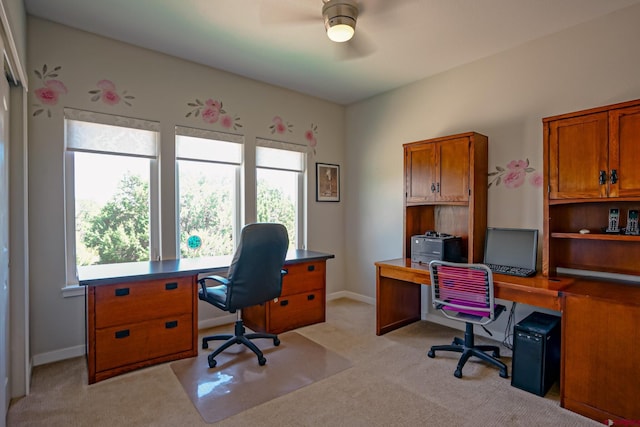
x,y
144,313
398,293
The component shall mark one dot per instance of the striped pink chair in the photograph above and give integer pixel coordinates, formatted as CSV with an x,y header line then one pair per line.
x,y
464,292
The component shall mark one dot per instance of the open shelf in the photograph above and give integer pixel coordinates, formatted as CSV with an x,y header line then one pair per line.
x,y
597,236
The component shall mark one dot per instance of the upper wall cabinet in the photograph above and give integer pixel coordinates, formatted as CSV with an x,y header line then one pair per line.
x,y
437,171
591,153
591,169
446,190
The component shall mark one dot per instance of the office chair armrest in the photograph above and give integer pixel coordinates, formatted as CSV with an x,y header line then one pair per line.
x,y
221,280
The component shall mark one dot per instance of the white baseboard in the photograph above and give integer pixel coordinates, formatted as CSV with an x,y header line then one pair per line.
x,y
216,321
58,355
351,295
80,350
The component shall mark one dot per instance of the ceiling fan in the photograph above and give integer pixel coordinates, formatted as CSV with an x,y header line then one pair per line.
x,y
339,16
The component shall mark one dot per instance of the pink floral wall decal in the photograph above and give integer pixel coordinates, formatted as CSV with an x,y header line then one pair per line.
x,y
49,93
108,94
514,174
212,112
280,126
311,137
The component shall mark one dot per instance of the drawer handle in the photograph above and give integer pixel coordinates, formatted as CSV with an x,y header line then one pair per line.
x,y
122,334
311,297
122,292
170,286
284,302
171,325
311,267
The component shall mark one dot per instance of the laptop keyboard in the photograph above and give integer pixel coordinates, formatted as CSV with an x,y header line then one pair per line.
x,y
513,271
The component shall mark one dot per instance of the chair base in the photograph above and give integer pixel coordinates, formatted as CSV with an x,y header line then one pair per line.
x,y
239,337
468,349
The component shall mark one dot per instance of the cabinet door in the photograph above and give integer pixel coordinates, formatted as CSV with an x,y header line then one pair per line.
x,y
578,157
420,173
452,183
624,152
600,372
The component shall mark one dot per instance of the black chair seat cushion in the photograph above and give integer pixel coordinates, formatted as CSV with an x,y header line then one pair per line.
x,y
215,295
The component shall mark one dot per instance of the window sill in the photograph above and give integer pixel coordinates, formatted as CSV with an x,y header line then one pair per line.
x,y
70,291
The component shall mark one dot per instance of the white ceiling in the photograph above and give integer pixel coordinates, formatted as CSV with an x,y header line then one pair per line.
x,y
283,42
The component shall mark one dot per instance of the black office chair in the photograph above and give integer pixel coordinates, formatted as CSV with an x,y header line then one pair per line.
x,y
464,292
254,277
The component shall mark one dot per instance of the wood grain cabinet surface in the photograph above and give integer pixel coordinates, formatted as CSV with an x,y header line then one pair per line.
x,y
136,324
446,190
301,303
590,167
600,370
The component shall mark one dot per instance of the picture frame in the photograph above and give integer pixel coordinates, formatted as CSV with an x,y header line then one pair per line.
x,y
327,182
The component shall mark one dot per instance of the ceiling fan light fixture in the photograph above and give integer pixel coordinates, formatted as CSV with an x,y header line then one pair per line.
x,y
340,19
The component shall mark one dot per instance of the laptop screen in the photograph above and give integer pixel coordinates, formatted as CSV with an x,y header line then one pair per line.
x,y
513,247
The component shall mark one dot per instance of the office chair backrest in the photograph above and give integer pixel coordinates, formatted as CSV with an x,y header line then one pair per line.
x,y
255,272
463,288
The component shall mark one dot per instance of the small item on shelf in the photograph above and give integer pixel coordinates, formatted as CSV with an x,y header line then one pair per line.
x,y
614,218
584,231
632,223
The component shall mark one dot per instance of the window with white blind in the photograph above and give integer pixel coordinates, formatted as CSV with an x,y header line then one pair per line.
x,y
111,184
209,194
280,192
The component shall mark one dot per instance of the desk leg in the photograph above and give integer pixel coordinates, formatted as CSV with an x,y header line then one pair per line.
x,y
397,303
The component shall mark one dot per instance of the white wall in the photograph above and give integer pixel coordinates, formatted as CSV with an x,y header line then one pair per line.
x,y
504,97
162,87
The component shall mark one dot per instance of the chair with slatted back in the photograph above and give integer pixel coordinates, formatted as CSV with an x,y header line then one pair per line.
x,y
464,292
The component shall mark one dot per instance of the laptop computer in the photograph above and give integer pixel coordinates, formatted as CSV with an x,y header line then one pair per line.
x,y
511,251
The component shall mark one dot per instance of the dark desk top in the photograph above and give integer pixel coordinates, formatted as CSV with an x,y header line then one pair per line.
x,y
115,273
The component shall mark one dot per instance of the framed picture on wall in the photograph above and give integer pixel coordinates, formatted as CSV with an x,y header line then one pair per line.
x,y
327,182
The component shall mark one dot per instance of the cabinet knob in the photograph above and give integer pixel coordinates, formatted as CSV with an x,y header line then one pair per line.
x,y
433,187
602,180
121,292
122,334
614,176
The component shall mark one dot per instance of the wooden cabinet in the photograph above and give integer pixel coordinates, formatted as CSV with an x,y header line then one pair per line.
x,y
135,324
592,155
589,169
301,303
446,190
437,171
599,376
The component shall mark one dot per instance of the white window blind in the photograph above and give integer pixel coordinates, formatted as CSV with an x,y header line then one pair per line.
x,y
104,133
280,155
204,145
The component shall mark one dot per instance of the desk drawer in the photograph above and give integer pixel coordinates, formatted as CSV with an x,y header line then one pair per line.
x,y
139,301
129,344
294,311
303,277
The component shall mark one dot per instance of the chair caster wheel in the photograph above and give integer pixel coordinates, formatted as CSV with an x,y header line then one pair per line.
x,y
276,342
458,373
205,345
262,361
431,354
212,362
496,354
504,374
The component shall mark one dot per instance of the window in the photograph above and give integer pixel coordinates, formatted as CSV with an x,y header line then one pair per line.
x,y
280,177
111,189
208,169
